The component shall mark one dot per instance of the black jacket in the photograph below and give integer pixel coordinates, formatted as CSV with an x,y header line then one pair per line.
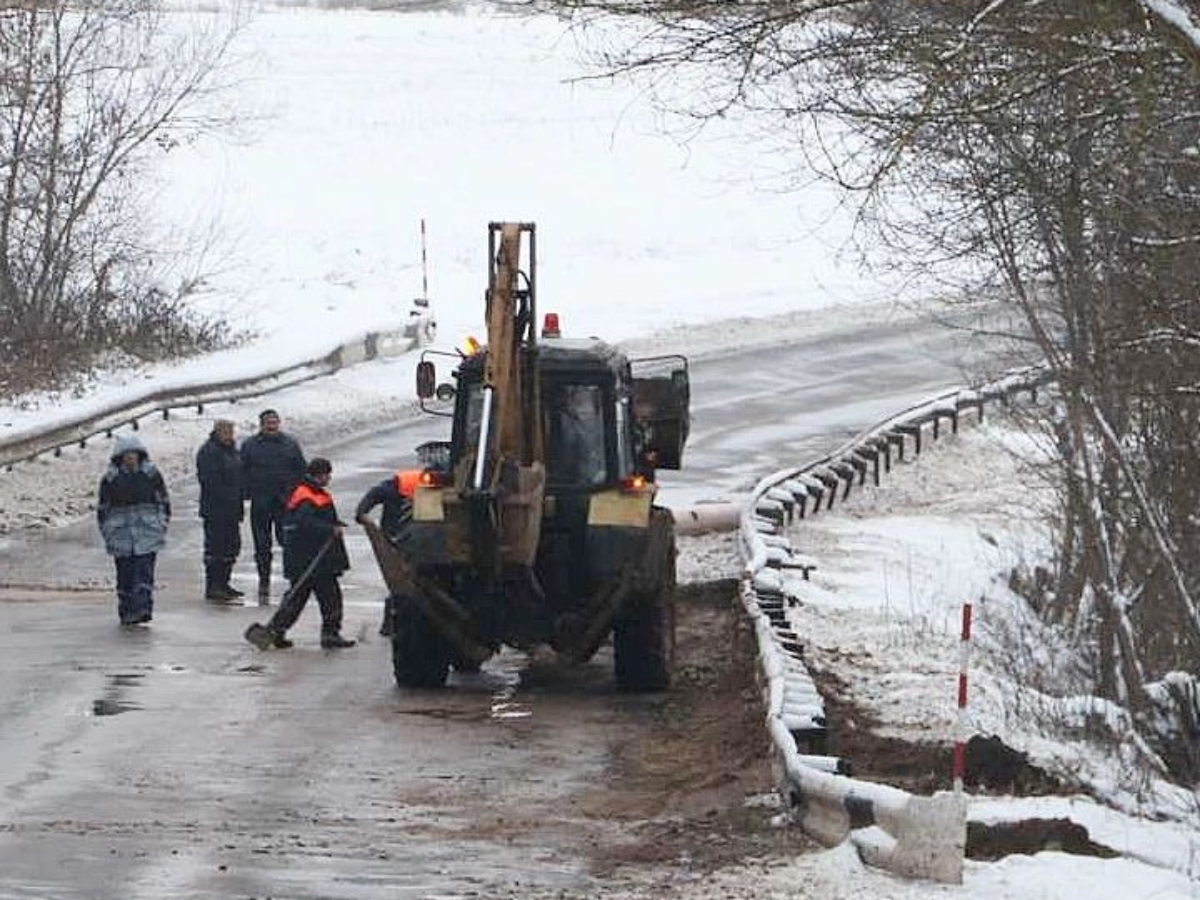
x,y
219,471
397,509
272,465
308,523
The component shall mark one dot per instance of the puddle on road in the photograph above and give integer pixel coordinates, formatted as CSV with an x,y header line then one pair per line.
x,y
113,703
502,709
499,680
507,671
111,707
441,712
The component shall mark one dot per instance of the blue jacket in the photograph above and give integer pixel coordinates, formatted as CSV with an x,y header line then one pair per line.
x,y
133,509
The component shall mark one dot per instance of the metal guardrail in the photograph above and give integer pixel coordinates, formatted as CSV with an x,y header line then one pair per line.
x,y
128,412
922,837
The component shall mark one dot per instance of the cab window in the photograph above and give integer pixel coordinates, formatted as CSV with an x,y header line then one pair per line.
x,y
576,451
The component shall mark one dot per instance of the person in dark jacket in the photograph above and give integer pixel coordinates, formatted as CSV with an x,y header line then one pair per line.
x,y
272,465
219,471
314,556
133,512
395,496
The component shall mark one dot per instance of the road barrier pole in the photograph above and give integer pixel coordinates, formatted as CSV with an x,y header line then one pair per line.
x,y
960,723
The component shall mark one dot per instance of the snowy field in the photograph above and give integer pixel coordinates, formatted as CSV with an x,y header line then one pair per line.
x,y
882,611
359,123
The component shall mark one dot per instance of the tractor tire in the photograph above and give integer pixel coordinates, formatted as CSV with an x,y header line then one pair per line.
x,y
644,631
420,656
643,644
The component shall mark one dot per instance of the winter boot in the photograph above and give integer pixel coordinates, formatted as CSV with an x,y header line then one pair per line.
x,y
336,642
214,589
264,579
226,574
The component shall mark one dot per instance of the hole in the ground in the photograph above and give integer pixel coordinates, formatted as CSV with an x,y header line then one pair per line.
x,y
991,841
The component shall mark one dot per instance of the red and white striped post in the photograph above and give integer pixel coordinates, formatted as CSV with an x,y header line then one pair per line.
x,y
960,722
424,267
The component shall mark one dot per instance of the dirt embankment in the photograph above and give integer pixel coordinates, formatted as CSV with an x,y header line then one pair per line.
x,y
698,789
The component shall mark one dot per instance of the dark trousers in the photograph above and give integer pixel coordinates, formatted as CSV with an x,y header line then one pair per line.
x,y
222,544
329,598
222,539
266,518
135,587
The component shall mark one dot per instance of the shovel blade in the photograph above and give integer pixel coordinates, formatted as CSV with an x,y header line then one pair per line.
x,y
259,635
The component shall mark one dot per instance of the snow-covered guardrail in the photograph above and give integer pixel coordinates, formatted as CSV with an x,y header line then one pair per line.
x,y
923,837
78,430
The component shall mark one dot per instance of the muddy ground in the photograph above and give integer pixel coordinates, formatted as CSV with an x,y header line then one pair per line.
x,y
919,767
179,762
699,787
923,768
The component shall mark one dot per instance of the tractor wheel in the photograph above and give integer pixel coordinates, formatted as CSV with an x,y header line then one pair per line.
x,y
644,631
420,656
643,643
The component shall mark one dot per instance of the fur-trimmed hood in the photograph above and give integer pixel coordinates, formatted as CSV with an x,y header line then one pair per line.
x,y
127,443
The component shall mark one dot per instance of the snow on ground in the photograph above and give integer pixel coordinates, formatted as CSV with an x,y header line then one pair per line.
x,y
838,874
896,563
358,124
54,491
883,612
364,123
51,491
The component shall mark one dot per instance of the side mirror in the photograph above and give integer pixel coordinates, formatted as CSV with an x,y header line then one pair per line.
x,y
445,392
426,379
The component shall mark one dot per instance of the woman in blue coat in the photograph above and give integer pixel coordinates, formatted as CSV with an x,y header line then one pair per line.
x,y
133,512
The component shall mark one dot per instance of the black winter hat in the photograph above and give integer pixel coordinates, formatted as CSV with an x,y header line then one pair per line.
x,y
319,465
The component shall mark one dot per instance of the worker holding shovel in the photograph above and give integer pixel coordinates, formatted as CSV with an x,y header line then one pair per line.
x,y
314,556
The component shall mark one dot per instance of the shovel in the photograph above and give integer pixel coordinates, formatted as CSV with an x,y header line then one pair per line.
x,y
261,636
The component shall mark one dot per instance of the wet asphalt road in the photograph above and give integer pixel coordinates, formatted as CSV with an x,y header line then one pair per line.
x,y
176,761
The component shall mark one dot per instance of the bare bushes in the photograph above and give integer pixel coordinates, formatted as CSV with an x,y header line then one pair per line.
x,y
88,93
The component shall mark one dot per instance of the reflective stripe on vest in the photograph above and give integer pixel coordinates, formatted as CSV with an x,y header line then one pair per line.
x,y
407,481
305,493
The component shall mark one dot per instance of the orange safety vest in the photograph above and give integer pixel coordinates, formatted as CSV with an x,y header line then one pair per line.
x,y
307,493
407,481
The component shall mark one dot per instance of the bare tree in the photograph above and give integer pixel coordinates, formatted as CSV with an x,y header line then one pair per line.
x,y
1044,151
87,92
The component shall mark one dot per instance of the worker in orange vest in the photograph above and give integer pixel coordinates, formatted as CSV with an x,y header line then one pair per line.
x,y
395,495
314,557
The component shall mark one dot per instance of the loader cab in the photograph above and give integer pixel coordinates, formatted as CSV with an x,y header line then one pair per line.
x,y
576,427
605,418
585,418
